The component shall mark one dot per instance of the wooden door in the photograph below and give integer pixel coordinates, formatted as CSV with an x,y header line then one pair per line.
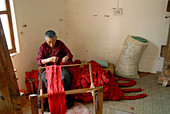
x,y
9,92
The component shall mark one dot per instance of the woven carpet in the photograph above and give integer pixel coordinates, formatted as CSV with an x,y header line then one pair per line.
x,y
157,101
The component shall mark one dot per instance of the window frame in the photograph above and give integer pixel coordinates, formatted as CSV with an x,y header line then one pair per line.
x,y
8,13
168,6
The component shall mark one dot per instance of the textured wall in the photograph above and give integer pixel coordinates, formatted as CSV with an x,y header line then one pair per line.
x,y
39,16
93,32
90,29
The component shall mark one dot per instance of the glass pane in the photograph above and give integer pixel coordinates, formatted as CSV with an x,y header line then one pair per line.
x,y
5,25
2,5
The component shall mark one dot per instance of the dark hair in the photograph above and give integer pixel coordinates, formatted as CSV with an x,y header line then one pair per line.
x,y
50,34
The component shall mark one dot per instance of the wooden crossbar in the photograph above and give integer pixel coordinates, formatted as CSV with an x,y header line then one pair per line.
x,y
76,91
92,89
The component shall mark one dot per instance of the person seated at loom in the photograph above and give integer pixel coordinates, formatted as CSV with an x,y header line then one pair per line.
x,y
54,51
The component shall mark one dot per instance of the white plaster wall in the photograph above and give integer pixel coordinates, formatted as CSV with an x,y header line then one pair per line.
x,y
39,16
82,25
91,35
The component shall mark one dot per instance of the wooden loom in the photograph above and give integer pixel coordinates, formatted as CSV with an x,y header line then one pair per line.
x,y
97,93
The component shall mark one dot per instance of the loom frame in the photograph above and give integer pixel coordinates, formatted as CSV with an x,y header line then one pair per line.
x,y
97,92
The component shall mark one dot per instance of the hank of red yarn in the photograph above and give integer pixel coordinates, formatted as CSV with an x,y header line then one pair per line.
x,y
101,77
31,75
56,93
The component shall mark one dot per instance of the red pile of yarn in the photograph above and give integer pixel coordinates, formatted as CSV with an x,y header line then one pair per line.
x,y
31,75
101,77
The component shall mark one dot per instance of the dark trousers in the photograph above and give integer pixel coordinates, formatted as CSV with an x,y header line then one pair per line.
x,y
67,86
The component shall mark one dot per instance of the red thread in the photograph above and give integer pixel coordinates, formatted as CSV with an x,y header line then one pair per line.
x,y
31,75
134,97
111,90
56,93
132,90
128,84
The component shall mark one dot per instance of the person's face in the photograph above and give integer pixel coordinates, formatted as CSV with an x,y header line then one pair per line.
x,y
50,41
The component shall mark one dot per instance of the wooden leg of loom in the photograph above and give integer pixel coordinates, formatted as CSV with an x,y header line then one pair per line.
x,y
42,106
94,101
92,86
34,103
41,91
99,101
31,85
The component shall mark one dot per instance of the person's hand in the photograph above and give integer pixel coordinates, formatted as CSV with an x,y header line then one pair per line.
x,y
54,59
65,59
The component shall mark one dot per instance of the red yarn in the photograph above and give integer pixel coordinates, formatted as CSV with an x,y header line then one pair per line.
x,y
55,90
111,90
128,84
31,75
134,97
131,90
131,108
81,79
